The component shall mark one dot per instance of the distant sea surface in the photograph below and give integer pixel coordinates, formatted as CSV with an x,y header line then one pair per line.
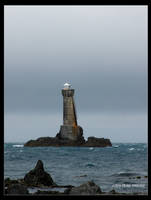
x,y
122,167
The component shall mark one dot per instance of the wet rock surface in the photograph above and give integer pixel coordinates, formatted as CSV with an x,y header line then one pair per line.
x,y
38,176
113,192
47,192
8,182
97,142
88,188
138,177
58,141
16,188
67,137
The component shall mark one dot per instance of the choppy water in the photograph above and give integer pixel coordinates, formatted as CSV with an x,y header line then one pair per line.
x,y
111,167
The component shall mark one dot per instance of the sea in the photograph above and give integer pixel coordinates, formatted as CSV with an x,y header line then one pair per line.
x,y
122,167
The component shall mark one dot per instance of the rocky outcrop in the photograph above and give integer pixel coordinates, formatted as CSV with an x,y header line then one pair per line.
x,y
48,193
88,188
52,141
43,141
16,189
8,182
97,142
69,136
58,141
20,186
38,176
113,192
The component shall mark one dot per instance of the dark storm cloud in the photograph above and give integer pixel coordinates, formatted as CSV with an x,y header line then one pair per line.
x,y
102,51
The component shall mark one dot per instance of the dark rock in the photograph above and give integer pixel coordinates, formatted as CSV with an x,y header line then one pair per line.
x,y
38,176
113,192
88,188
59,141
43,141
48,192
83,175
67,191
80,176
138,177
39,165
97,142
8,182
17,189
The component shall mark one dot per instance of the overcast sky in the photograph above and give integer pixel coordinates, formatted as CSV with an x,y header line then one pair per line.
x,y
100,50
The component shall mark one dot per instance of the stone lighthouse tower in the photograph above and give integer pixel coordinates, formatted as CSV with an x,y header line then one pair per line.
x,y
70,129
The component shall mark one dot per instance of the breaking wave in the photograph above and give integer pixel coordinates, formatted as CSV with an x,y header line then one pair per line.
x,y
18,145
126,174
131,149
116,146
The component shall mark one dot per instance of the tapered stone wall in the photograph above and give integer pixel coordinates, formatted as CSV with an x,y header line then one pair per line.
x,y
69,114
70,129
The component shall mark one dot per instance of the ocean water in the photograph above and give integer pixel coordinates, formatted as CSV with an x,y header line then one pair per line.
x,y
113,167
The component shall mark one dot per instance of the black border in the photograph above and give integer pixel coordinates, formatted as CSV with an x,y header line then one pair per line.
x,y
36,3
2,90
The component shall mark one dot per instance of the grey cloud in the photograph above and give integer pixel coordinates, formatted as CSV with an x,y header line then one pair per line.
x,y
100,50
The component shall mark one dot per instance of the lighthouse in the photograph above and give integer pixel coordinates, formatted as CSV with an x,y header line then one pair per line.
x,y
70,129
69,110
70,133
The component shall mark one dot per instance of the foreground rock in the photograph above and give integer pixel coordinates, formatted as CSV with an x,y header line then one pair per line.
x,y
8,182
16,188
48,193
88,188
38,176
57,141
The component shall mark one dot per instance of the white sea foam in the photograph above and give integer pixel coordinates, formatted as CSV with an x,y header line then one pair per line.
x,y
121,172
115,146
131,149
18,145
91,148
